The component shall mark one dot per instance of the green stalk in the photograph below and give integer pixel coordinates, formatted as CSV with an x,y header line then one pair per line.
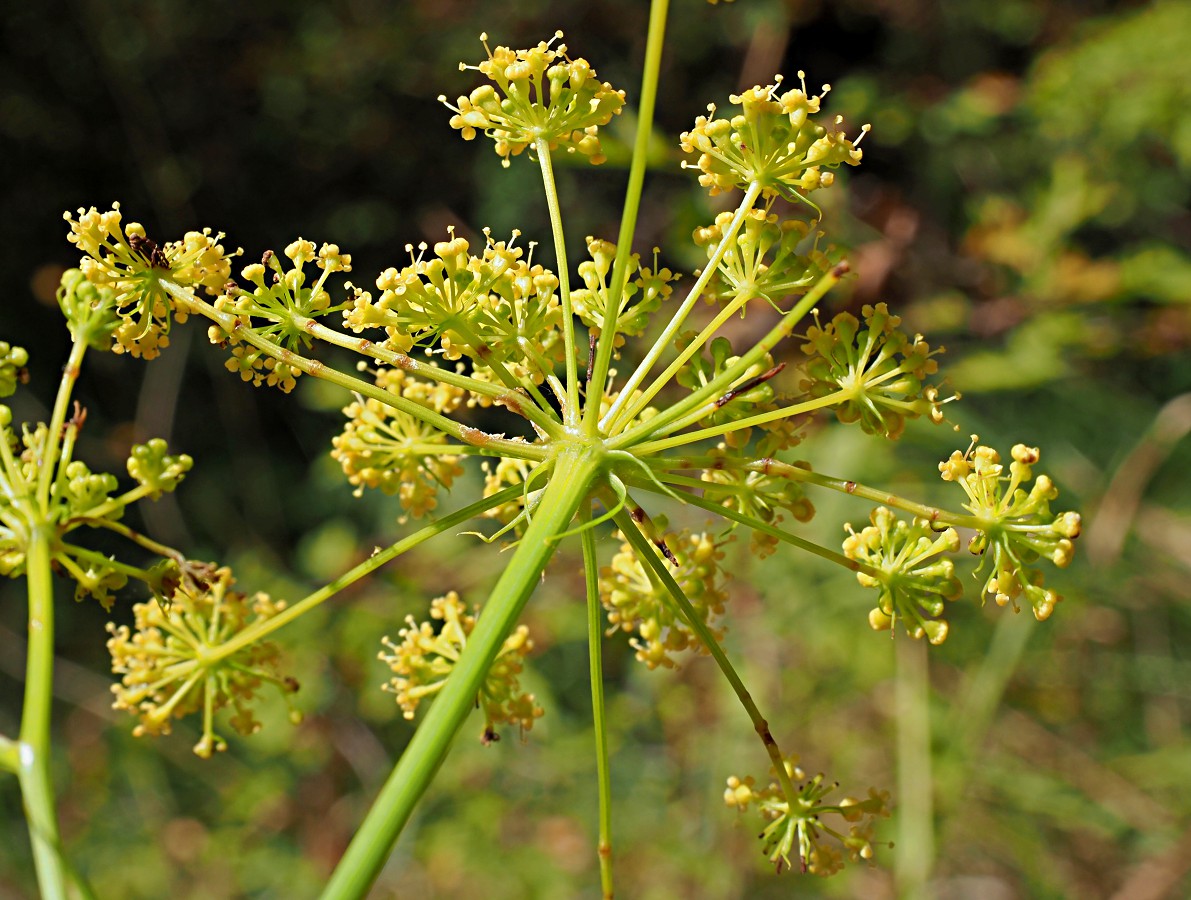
x,y
542,149
70,374
259,630
511,399
595,637
575,469
692,437
236,328
915,846
932,514
654,41
33,769
648,557
757,525
722,382
615,412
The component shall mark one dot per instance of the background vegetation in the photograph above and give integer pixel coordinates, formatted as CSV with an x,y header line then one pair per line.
x,y
1023,199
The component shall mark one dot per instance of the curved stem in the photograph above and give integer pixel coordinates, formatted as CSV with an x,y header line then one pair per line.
x,y
617,414
33,769
632,202
649,558
574,472
595,637
571,413
236,328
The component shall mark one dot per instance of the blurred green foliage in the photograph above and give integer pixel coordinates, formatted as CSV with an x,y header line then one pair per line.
x,y
1024,195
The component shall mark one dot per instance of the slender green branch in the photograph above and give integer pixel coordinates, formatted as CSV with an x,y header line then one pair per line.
x,y
236,328
571,413
137,538
132,495
757,525
259,630
649,558
574,472
726,379
616,413
785,412
70,374
595,637
769,466
514,400
729,310
654,42
33,770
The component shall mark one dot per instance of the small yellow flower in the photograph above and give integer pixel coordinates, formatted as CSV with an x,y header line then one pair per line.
x,y
799,825
170,667
124,259
382,447
1016,526
537,94
638,605
427,654
773,141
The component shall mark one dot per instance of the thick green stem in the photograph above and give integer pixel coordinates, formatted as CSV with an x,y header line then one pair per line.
x,y
574,472
632,202
34,763
571,413
595,638
649,558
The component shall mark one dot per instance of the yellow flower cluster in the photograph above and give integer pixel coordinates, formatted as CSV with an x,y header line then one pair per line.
x,y
880,370
773,141
537,94
643,293
424,659
637,604
122,258
1016,526
912,580
284,300
498,308
798,826
759,495
764,260
382,447
170,665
